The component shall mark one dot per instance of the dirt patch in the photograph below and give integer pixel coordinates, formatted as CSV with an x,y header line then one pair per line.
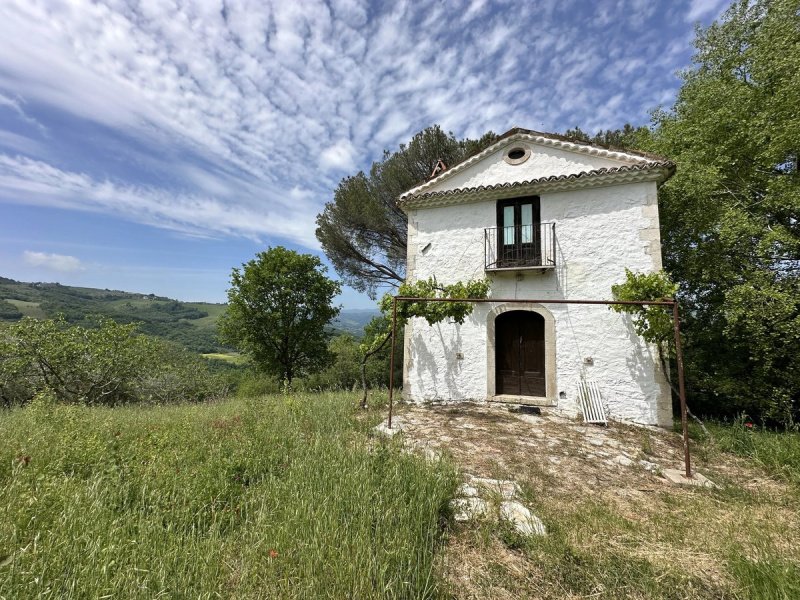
x,y
599,491
483,438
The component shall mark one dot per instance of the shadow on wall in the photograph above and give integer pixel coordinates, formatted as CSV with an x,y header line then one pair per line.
x,y
564,321
433,382
561,269
604,348
641,358
645,367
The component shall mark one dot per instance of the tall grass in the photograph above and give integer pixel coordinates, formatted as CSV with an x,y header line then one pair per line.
x,y
269,498
776,451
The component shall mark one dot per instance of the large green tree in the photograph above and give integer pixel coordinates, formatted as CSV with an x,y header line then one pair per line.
x,y
730,217
279,305
362,231
628,137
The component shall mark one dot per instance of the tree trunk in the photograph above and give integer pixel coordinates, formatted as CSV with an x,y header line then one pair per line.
x,y
364,359
288,376
689,413
364,381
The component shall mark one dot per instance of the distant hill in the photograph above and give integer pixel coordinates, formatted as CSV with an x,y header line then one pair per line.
x,y
354,320
190,324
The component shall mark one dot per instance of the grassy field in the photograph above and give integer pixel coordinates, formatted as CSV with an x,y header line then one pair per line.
x,y
29,309
269,498
777,452
291,497
232,357
215,311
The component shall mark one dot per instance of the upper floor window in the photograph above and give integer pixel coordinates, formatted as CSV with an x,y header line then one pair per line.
x,y
518,226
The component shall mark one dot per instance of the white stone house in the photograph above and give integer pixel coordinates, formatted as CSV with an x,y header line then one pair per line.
x,y
541,217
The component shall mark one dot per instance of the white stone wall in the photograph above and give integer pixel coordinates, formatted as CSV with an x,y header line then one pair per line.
x,y
544,161
599,233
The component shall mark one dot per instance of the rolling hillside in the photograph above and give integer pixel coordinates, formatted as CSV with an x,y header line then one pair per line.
x,y
190,324
354,320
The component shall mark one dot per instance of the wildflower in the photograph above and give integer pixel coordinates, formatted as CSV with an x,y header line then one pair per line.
x,y
748,425
273,553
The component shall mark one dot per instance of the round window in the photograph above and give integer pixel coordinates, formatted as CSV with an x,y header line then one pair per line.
x,y
517,155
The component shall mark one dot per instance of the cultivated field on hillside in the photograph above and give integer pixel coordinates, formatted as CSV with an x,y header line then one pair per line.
x,y
191,325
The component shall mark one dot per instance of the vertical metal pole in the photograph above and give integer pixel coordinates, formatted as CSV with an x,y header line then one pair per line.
x,y
391,359
486,248
676,319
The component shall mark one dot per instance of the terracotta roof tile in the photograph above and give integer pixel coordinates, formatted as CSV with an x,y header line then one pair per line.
x,y
556,140
572,140
664,165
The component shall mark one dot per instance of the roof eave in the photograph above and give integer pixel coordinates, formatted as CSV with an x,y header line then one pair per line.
x,y
544,139
658,173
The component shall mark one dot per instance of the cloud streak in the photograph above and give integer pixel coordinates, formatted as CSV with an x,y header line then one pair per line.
x,y
61,263
702,8
191,214
252,111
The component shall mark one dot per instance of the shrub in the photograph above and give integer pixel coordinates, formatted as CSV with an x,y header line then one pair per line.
x,y
109,364
254,384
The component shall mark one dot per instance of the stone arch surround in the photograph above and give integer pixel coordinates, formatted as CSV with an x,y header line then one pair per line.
x,y
550,398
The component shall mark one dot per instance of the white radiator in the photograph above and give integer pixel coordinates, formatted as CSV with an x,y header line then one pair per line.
x,y
591,402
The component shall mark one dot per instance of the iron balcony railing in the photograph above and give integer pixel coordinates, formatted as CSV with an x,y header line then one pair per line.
x,y
520,247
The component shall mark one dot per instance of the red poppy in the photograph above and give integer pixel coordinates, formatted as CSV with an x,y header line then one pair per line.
x,y
273,554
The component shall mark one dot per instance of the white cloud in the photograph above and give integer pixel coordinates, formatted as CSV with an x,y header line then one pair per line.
x,y
16,106
703,8
36,182
20,143
339,156
54,262
10,102
243,102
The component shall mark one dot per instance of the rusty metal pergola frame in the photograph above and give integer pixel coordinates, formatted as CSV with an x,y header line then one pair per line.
x,y
675,322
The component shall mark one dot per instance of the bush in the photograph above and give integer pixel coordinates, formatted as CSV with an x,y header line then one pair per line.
x,y
254,384
109,364
9,311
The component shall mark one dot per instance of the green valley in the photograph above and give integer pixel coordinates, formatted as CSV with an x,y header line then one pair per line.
x,y
191,325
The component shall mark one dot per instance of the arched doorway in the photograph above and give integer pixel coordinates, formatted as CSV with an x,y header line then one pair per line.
x,y
520,354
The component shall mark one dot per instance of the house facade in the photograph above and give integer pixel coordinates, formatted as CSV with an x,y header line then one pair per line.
x,y
542,218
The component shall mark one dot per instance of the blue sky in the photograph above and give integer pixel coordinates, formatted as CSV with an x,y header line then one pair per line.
x,y
152,146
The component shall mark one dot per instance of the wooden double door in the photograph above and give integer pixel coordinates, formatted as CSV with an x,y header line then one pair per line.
x,y
520,354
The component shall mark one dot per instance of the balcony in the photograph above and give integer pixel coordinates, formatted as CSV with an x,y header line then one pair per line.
x,y
520,247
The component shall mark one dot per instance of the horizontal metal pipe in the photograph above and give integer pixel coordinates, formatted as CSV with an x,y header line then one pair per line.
x,y
539,301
